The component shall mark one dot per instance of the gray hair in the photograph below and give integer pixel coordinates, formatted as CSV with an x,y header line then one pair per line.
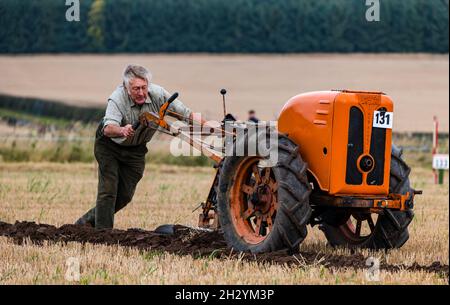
x,y
135,71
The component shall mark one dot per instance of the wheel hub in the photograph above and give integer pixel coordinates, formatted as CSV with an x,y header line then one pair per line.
x,y
255,201
262,198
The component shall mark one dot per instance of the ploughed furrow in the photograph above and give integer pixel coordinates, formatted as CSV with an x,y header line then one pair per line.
x,y
189,241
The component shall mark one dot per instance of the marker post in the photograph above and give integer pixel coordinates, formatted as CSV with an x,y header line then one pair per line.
x,y
435,146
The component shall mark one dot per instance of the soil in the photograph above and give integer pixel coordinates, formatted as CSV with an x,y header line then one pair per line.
x,y
190,241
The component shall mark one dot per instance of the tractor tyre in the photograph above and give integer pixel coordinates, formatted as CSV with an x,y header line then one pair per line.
x,y
264,208
391,228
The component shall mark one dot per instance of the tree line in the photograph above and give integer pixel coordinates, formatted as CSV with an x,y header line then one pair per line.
x,y
52,109
243,26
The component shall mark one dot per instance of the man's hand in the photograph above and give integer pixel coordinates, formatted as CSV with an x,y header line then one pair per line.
x,y
113,131
127,131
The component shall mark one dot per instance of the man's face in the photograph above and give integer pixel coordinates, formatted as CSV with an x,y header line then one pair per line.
x,y
138,90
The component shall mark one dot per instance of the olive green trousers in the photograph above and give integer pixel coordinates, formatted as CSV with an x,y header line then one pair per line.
x,y
119,170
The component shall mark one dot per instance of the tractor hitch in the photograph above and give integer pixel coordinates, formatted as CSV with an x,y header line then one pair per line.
x,y
392,201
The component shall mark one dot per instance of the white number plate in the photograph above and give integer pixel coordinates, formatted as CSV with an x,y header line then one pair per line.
x,y
440,161
383,119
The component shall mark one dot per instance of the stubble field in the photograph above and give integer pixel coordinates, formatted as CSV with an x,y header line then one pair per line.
x,y
58,194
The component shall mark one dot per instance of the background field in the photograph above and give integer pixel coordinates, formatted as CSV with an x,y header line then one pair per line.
x,y
418,83
59,193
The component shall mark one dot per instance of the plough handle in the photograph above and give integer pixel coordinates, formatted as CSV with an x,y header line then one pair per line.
x,y
162,110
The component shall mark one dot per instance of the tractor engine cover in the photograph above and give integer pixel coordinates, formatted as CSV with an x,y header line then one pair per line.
x,y
345,138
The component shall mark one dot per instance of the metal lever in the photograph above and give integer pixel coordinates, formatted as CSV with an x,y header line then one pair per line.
x,y
223,92
162,110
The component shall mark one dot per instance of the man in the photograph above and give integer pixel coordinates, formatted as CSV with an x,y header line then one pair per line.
x,y
120,150
252,116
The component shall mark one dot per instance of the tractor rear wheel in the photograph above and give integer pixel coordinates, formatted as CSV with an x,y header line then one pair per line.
x,y
263,208
384,231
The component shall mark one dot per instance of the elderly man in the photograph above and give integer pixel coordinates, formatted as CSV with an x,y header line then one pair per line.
x,y
120,150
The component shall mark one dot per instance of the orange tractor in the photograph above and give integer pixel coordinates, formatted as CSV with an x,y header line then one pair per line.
x,y
335,167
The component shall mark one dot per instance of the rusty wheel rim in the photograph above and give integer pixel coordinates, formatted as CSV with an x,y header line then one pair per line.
x,y
253,201
360,226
